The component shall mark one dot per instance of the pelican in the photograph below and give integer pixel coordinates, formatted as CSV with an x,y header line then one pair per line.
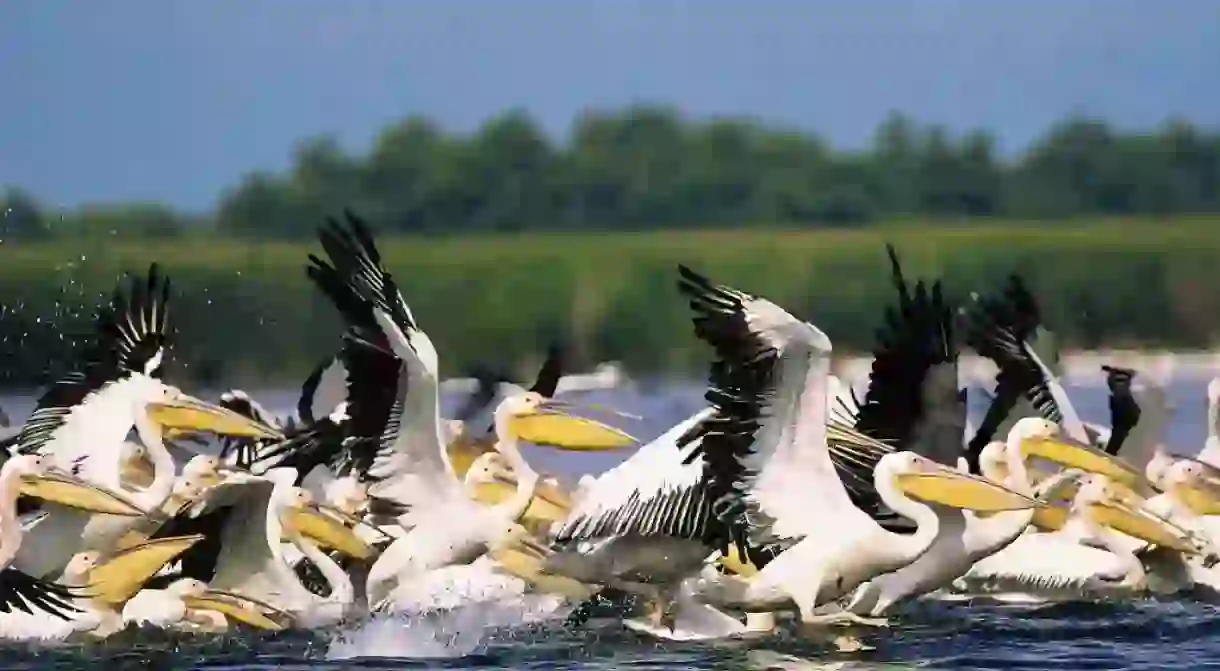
x,y
189,605
787,473
81,422
965,539
246,520
101,585
27,601
412,461
447,525
913,401
757,340
1090,557
386,350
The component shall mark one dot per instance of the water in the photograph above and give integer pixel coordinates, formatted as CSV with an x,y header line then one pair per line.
x,y
1143,635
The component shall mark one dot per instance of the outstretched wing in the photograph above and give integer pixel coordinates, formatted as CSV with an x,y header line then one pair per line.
x,y
89,406
913,399
413,448
772,372
999,327
29,594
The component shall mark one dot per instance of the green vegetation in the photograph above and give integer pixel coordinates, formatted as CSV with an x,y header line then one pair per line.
x,y
246,311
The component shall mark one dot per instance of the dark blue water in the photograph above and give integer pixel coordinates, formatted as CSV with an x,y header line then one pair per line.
x,y
931,636
1142,635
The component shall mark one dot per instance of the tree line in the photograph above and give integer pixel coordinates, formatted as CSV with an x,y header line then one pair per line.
x,y
649,167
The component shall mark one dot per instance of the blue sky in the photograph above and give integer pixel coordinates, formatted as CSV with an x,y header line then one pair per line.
x,y
173,100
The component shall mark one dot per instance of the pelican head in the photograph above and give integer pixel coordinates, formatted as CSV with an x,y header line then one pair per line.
x,y
1155,470
546,421
76,572
1102,503
1044,439
993,462
348,494
175,411
321,523
39,480
1187,480
205,469
489,468
928,481
493,481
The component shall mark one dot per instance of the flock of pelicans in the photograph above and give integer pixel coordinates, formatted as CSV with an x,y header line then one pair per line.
x,y
124,500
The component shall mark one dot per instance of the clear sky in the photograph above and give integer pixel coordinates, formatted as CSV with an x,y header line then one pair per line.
x,y
173,100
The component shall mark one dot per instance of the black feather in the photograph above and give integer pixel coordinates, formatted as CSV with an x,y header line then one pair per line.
x,y
1124,409
19,591
916,337
740,381
997,327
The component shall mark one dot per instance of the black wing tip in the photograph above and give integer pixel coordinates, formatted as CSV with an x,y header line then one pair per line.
x,y
547,380
892,253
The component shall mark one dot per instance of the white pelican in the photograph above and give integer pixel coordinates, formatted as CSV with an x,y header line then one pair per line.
x,y
913,402
26,601
449,526
81,423
189,605
245,521
1090,557
770,395
965,539
413,460
101,585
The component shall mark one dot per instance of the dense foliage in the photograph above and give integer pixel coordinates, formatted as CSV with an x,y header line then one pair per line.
x,y
648,167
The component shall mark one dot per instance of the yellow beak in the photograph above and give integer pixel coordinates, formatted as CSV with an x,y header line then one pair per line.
x,y
240,608
68,490
949,487
327,532
548,426
120,577
1138,524
1071,454
1202,500
463,452
191,414
549,503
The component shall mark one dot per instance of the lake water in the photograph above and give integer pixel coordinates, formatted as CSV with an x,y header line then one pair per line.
x,y
1143,635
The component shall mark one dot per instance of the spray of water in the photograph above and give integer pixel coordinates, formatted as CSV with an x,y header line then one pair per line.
x,y
457,632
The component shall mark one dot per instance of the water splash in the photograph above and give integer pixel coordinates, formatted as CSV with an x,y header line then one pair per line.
x,y
452,633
